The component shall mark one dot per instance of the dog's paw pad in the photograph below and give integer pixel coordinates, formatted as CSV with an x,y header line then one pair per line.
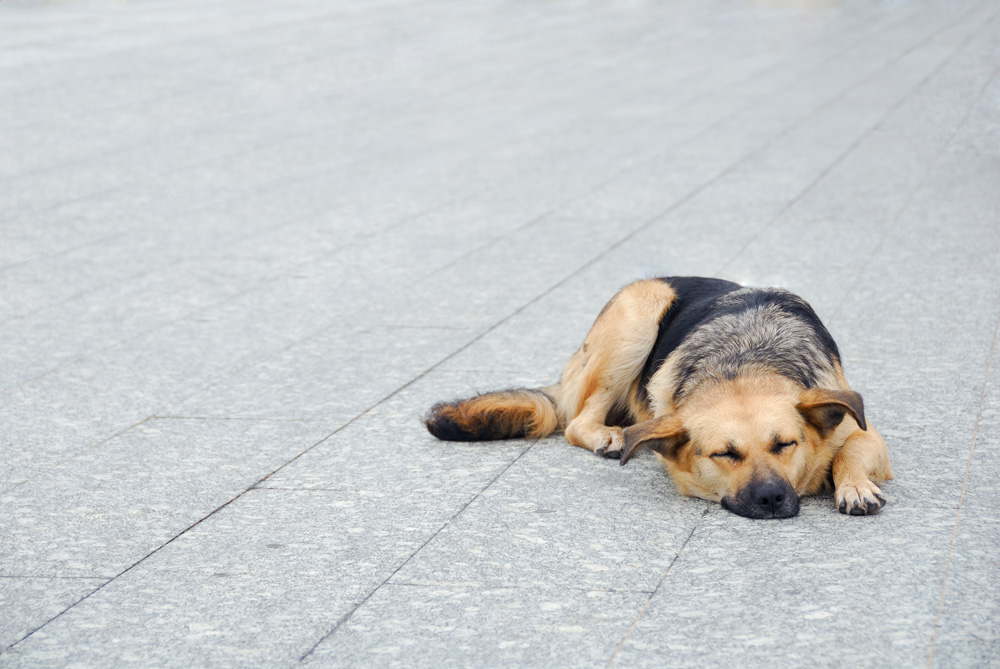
x,y
616,442
861,498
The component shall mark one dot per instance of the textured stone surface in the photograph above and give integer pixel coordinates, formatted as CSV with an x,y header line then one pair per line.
x,y
257,583
561,517
454,626
30,602
108,508
245,245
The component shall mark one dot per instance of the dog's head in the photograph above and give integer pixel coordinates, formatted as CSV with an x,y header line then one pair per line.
x,y
754,445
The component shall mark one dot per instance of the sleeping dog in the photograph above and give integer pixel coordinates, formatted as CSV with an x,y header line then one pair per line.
x,y
738,391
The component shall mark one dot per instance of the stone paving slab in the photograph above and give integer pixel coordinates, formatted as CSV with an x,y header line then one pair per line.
x,y
454,626
244,246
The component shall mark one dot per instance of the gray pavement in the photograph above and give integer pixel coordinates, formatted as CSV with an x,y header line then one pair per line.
x,y
244,245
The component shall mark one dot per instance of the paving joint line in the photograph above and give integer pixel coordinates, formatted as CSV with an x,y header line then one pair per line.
x,y
350,613
123,572
658,585
961,497
490,586
76,455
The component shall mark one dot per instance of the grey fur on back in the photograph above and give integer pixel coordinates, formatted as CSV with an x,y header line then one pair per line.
x,y
756,330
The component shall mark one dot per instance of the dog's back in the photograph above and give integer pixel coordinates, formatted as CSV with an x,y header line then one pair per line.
x,y
717,330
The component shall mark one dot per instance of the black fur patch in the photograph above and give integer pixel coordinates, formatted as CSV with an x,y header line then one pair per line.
x,y
446,428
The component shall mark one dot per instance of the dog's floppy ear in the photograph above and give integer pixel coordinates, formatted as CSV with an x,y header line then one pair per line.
x,y
665,435
824,409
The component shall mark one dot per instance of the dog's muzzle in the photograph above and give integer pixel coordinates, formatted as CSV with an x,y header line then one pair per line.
x,y
768,498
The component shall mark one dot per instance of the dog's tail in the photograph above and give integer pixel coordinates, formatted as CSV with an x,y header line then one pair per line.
x,y
506,414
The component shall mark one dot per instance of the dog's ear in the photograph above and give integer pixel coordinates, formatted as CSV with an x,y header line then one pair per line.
x,y
665,435
824,409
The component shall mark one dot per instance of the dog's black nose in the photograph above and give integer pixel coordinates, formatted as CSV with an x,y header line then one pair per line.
x,y
769,496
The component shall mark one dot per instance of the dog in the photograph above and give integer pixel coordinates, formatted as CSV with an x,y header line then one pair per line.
x,y
738,391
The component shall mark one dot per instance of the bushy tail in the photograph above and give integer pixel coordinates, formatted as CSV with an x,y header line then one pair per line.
x,y
507,414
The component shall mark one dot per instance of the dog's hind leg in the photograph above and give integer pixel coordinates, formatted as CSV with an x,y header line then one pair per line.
x,y
602,376
863,457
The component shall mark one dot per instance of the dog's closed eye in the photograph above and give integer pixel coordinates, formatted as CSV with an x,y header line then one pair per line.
x,y
779,446
730,453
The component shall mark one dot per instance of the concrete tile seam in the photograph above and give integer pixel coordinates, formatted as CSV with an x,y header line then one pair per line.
x,y
129,568
368,596
961,498
362,491
857,142
913,193
75,455
660,583
512,587
258,420
95,242
44,577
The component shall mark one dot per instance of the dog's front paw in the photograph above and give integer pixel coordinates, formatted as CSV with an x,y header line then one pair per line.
x,y
616,442
858,498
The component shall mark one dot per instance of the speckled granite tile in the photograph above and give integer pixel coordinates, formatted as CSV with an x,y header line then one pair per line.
x,y
462,627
